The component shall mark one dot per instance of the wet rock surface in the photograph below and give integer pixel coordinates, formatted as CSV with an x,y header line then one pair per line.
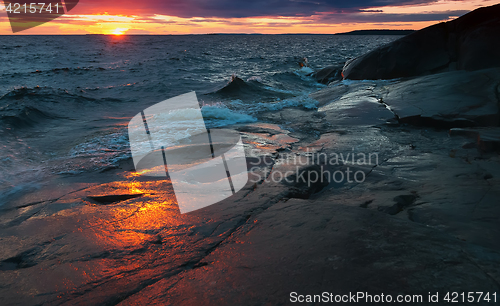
x,y
486,139
419,215
445,100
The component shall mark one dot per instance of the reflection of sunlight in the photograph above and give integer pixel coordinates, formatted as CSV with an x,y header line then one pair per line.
x,y
129,234
133,222
265,141
145,172
133,187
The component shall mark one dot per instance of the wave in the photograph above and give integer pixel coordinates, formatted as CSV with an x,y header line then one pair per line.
x,y
67,69
252,89
303,102
41,95
107,151
219,115
328,74
28,107
239,86
27,116
98,153
11,47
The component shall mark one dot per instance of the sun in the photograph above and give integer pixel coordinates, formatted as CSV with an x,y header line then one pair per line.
x,y
119,31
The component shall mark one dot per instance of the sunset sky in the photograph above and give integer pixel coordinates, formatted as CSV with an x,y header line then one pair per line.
x,y
246,16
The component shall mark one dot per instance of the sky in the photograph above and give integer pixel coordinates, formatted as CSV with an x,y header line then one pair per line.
x,y
247,16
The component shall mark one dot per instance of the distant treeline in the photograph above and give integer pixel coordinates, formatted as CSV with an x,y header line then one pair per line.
x,y
378,32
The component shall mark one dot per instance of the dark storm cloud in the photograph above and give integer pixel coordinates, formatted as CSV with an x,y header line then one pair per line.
x,y
237,8
374,17
228,8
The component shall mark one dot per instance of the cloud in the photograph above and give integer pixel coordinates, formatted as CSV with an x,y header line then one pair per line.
x,y
138,32
385,17
237,8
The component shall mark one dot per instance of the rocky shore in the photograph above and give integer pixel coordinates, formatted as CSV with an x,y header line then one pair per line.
x,y
418,214
466,43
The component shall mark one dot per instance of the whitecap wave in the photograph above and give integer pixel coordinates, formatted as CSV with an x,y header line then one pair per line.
x,y
218,115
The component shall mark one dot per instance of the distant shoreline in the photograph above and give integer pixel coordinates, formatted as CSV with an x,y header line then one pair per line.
x,y
357,32
378,32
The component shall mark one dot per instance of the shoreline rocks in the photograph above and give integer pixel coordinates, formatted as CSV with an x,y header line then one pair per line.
x,y
466,43
446,100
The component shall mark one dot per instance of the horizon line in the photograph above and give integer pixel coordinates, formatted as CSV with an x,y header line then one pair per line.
x,y
199,34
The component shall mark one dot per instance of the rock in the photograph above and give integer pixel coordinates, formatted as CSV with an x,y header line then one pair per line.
x,y
352,104
467,43
304,190
266,137
451,99
261,244
444,100
328,74
487,139
402,201
156,240
109,199
469,133
310,248
331,93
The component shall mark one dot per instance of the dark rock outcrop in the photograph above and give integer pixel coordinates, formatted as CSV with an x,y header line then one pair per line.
x,y
109,199
467,43
328,74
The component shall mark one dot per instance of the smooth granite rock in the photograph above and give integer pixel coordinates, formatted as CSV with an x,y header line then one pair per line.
x,y
486,139
444,100
467,43
454,99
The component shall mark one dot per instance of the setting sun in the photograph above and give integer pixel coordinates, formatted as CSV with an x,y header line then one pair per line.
x,y
119,31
